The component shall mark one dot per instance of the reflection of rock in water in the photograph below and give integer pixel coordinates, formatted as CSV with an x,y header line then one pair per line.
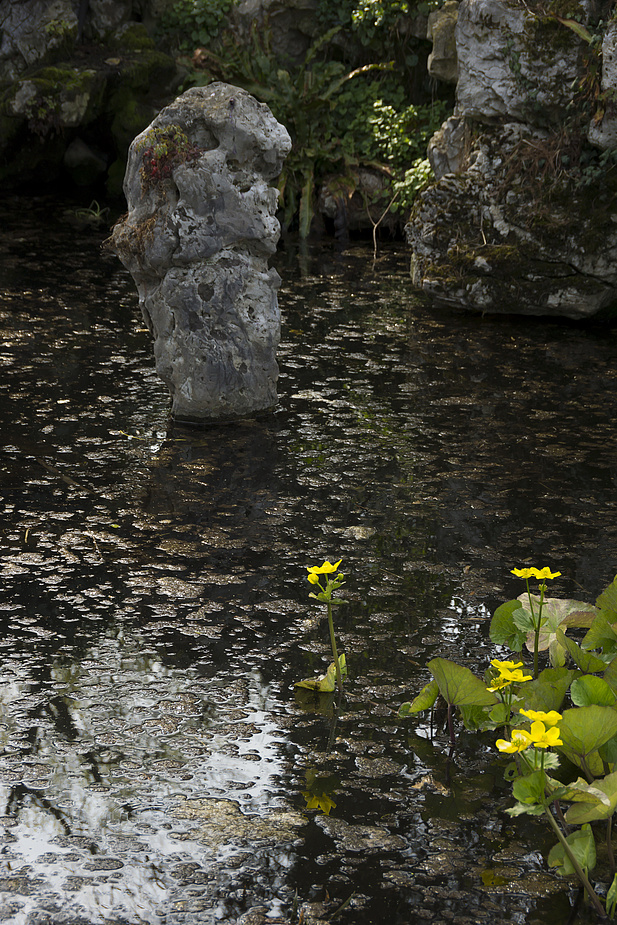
x,y
163,804
218,493
200,229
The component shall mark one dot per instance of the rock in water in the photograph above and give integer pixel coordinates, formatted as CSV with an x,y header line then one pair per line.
x,y
200,229
522,217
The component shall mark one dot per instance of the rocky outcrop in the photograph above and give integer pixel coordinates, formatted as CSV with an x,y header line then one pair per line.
x,y
78,81
200,228
523,216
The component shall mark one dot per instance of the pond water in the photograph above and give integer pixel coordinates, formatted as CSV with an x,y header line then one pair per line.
x,y
156,763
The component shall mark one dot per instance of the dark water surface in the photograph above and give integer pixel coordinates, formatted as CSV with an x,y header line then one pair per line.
x,y
155,612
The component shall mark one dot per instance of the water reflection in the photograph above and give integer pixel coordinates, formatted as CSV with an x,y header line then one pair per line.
x,y
154,613
135,769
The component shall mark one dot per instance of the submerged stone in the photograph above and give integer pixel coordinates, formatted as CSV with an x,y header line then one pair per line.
x,y
200,229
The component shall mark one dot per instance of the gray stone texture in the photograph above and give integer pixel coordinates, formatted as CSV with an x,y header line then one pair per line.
x,y
477,241
508,227
30,30
603,132
513,64
446,149
197,245
442,61
292,24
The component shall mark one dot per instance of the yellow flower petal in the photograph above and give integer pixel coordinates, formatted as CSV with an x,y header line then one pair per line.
x,y
517,677
534,573
545,573
520,741
509,666
498,684
326,569
549,719
509,673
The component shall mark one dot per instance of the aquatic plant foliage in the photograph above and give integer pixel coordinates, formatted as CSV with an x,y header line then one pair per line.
x,y
541,723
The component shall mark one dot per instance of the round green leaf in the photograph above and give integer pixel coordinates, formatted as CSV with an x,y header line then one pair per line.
x,y
585,729
458,685
503,630
589,689
424,701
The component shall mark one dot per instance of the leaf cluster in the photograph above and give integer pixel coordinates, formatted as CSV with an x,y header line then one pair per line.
x,y
380,29
188,24
580,683
163,150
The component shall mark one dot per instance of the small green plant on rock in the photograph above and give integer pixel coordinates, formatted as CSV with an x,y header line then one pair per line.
x,y
566,710
163,150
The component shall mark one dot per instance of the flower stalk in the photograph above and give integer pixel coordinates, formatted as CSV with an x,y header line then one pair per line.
x,y
580,873
333,580
541,575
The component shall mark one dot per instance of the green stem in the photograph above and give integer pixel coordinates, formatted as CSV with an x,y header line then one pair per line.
x,y
536,626
451,728
339,678
561,817
580,873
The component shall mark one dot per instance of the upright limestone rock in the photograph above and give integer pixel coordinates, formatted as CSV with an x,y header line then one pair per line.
x,y
199,231
522,217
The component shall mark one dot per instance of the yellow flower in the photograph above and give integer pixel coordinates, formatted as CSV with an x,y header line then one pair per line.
x,y
313,578
326,569
534,573
520,741
498,684
509,673
523,572
517,677
546,573
543,737
549,719
509,666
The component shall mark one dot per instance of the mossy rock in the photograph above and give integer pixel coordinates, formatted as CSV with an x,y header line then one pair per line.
x,y
516,238
150,69
130,38
56,97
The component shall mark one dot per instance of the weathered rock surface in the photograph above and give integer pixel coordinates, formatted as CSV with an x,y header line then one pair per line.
x,y
523,217
292,24
442,62
93,80
30,30
514,64
446,149
200,228
603,131
513,253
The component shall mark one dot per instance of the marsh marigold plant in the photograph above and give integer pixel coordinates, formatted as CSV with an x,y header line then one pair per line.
x,y
567,709
328,579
